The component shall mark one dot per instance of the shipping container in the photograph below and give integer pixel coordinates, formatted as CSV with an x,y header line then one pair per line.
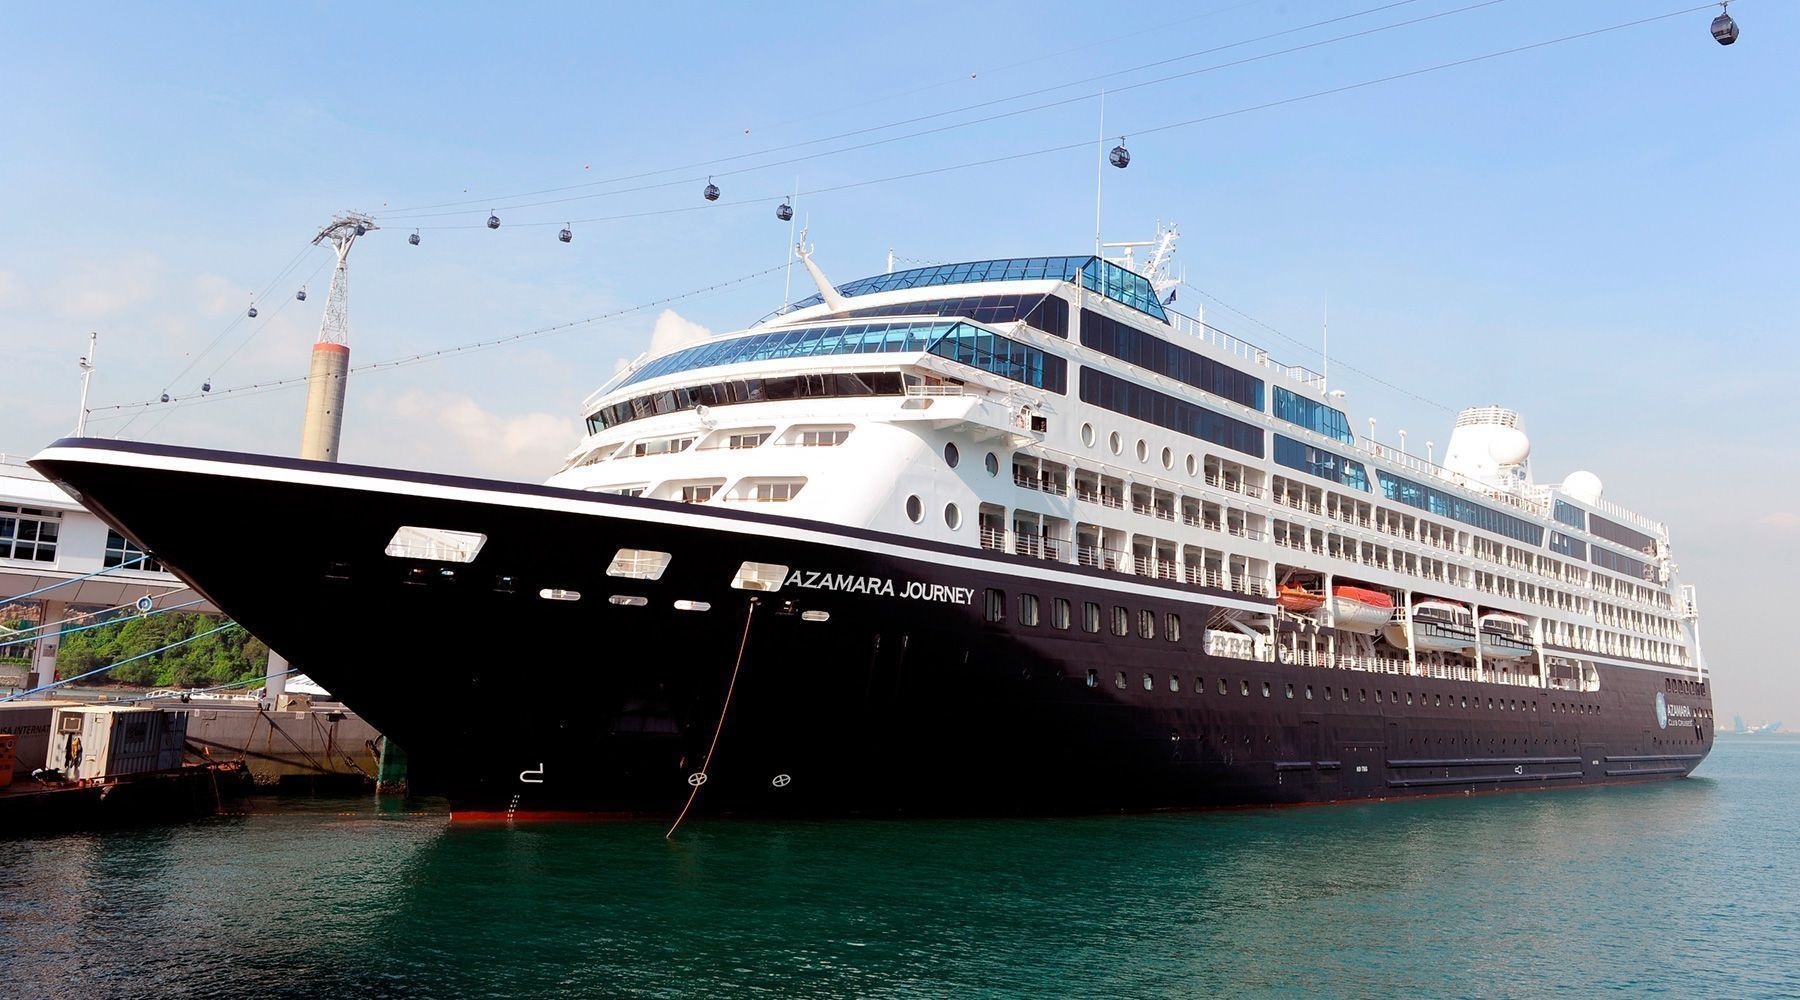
x,y
99,741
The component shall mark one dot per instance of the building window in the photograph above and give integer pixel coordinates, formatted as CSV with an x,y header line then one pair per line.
x,y
120,550
1143,403
1121,621
775,492
996,605
1172,627
1302,457
698,494
738,442
1028,609
28,533
1153,353
638,564
1312,415
1090,616
1146,624
1059,612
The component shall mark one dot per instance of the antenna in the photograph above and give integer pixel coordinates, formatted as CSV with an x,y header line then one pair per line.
x,y
787,281
87,372
1325,352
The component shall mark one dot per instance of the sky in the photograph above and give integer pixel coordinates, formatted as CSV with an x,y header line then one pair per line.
x,y
1598,233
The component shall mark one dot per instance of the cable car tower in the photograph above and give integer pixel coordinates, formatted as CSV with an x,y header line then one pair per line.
x,y
331,352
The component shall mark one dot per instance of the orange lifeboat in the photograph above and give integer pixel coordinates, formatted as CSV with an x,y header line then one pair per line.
x,y
1293,597
1360,609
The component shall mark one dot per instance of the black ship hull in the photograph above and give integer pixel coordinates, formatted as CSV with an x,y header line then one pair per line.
x,y
907,699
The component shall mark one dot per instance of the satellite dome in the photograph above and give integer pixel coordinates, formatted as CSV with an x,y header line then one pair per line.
x,y
1509,446
1583,486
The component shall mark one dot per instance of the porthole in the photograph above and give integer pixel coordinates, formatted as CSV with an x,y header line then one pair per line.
x,y
915,509
993,464
1168,457
951,455
1114,442
1087,435
1143,450
952,516
1193,466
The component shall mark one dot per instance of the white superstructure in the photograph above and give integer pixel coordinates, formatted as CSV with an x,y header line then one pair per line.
x,y
1053,408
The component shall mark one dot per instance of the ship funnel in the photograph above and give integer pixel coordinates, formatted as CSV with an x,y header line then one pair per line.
x,y
1489,445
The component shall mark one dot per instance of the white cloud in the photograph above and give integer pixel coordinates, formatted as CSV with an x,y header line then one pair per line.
x,y
1781,519
452,432
672,330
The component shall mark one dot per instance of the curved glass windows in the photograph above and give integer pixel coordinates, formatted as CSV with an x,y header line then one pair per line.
x,y
963,342
1313,415
748,390
1091,272
1143,403
1319,462
1145,350
1456,508
1044,311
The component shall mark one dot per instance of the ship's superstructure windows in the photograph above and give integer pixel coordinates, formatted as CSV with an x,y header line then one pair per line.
x,y
768,490
121,550
1565,545
1121,621
409,542
1570,514
1090,617
1028,609
1044,311
1626,565
820,437
1313,415
29,533
1150,406
1059,612
746,439
661,446
1319,462
961,342
1146,624
1172,627
638,564
915,509
1615,532
1456,508
1145,350
748,390
1096,275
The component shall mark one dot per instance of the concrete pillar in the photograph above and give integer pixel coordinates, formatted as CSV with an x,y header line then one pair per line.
x,y
325,384
43,652
275,679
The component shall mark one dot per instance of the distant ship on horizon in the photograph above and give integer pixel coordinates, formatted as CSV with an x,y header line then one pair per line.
x,y
1766,729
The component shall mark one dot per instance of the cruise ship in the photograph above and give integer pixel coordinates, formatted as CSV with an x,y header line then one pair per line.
x,y
998,537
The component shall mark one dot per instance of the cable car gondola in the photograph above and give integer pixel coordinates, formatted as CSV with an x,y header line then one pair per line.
x,y
493,221
300,295
565,235
361,230
1120,156
712,191
206,386
784,211
1724,29
252,312
165,397
414,238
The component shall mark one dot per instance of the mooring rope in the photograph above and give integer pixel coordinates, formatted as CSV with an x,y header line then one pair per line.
x,y
698,778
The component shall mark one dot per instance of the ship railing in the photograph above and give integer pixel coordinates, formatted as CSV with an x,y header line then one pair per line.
x,y
993,538
1099,557
1054,487
1024,480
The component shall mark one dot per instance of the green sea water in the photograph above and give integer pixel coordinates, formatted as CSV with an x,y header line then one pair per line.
x,y
1686,888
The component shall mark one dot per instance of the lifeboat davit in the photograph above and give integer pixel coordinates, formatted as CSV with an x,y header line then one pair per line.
x,y
1293,597
1360,609
1505,636
1437,627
